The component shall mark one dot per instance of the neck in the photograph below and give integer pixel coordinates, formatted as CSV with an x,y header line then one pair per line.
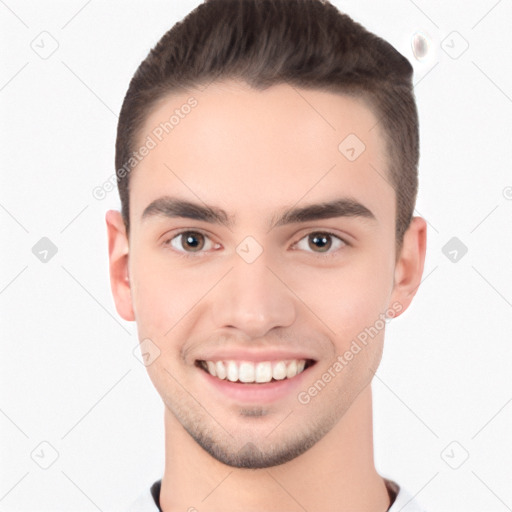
x,y
337,473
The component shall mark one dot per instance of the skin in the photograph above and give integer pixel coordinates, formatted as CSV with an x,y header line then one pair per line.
x,y
254,154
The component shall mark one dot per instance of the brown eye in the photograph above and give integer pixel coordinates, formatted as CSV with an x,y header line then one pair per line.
x,y
190,242
320,242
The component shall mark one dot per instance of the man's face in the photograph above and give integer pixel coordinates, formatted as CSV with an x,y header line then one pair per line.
x,y
258,289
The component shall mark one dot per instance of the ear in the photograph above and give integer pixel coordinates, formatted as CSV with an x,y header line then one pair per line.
x,y
410,263
118,252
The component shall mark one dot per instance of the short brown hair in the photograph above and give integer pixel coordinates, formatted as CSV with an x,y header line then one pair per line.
x,y
306,43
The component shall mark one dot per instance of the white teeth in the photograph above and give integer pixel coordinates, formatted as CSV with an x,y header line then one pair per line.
x,y
263,372
232,371
279,371
291,370
220,370
247,371
211,368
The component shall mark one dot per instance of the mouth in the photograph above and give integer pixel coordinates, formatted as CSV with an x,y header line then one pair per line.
x,y
248,372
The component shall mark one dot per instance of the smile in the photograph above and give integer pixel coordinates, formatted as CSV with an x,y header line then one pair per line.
x,y
251,372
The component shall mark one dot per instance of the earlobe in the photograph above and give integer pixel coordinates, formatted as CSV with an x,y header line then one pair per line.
x,y
410,264
118,252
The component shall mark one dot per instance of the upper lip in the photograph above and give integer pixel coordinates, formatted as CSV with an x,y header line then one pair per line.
x,y
253,355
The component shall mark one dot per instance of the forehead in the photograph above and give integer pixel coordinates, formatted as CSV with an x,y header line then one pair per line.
x,y
252,150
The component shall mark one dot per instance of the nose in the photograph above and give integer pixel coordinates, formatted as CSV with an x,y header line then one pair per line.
x,y
253,298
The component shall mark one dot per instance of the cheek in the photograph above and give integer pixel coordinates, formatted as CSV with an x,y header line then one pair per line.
x,y
154,290
166,293
349,298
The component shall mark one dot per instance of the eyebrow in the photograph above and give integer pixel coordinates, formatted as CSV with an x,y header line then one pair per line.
x,y
172,207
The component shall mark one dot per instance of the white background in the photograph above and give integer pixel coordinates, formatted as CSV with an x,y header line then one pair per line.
x,y
67,372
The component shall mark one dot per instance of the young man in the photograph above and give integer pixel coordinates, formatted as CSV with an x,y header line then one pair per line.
x,y
266,158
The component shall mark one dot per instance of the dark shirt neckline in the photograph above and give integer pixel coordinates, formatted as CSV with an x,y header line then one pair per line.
x,y
391,487
155,492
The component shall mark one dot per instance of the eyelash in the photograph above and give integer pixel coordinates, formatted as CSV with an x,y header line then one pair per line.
x,y
185,254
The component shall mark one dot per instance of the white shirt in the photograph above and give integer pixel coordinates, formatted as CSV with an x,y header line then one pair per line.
x,y
404,501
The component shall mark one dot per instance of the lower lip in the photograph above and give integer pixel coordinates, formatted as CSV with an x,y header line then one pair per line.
x,y
256,393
